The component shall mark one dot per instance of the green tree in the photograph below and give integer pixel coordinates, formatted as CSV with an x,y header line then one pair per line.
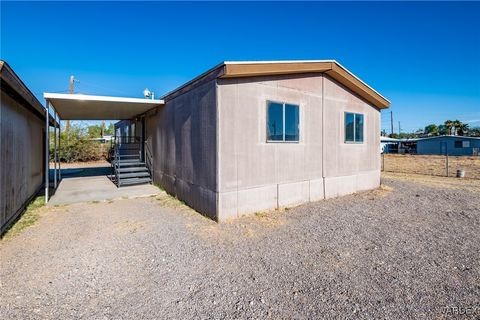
x,y
110,130
456,126
474,132
94,131
449,125
442,129
432,129
462,129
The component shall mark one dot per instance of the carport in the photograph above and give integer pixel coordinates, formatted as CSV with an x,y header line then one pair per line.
x,y
62,107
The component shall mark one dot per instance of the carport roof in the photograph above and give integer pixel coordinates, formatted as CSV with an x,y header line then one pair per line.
x,y
88,107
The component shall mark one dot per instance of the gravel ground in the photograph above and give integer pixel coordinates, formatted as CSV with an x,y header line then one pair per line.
x,y
407,250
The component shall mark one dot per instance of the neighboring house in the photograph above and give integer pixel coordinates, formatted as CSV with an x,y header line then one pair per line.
x,y
402,146
103,139
250,136
22,146
451,145
389,145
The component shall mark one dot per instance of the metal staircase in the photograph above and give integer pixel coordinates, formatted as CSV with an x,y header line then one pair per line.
x,y
127,164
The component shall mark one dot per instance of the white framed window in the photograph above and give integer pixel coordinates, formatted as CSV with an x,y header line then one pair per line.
x,y
353,127
461,144
283,122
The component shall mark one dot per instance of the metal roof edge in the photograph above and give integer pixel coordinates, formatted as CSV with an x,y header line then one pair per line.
x,y
27,95
353,75
197,78
447,136
86,97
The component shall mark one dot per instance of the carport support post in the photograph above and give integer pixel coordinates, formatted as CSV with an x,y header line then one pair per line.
x,y
59,139
47,164
55,149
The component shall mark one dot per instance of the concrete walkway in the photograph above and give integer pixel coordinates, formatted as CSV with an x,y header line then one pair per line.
x,y
93,184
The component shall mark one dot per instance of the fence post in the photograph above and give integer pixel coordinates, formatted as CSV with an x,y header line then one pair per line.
x,y
383,161
446,169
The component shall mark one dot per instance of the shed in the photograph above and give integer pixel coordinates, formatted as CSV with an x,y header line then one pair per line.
x,y
451,145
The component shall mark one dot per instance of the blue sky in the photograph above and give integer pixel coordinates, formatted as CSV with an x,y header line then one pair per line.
x,y
423,56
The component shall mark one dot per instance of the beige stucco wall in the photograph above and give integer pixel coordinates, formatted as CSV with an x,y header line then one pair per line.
x,y
21,157
182,136
349,167
210,149
254,175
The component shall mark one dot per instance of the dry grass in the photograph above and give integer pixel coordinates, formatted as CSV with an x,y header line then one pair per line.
x,y
166,200
380,192
432,165
28,218
128,226
436,182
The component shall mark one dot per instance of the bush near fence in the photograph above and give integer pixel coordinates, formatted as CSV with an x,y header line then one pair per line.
x,y
76,145
432,164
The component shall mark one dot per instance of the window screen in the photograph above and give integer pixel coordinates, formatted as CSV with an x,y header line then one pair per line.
x,y
283,122
353,127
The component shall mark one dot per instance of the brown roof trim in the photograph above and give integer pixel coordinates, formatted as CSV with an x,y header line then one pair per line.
x,y
234,70
271,68
329,67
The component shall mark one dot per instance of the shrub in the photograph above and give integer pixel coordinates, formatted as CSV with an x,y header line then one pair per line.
x,y
76,145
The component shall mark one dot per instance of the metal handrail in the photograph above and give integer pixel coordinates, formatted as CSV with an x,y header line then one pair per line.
x,y
149,159
126,140
115,162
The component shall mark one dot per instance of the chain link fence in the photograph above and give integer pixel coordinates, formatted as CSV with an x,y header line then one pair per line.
x,y
435,165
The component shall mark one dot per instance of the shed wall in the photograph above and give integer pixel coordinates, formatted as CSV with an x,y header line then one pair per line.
x,y
437,146
21,157
182,137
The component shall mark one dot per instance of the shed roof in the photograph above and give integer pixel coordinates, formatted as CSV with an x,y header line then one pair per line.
x,y
448,137
238,69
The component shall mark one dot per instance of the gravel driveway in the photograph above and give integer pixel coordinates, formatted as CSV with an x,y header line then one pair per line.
x,y
406,251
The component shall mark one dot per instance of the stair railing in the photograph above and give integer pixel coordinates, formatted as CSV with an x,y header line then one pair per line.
x,y
116,160
123,143
149,159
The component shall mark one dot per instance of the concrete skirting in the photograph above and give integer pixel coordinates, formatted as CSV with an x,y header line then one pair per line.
x,y
339,186
233,204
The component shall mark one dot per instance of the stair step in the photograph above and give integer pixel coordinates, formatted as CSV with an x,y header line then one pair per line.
x,y
131,181
132,169
141,174
128,156
131,163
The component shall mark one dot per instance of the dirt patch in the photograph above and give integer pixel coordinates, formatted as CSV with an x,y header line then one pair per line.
x,y
432,165
130,226
86,164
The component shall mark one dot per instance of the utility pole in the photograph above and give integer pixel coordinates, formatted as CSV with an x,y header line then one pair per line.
x,y
399,129
72,79
391,123
102,131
